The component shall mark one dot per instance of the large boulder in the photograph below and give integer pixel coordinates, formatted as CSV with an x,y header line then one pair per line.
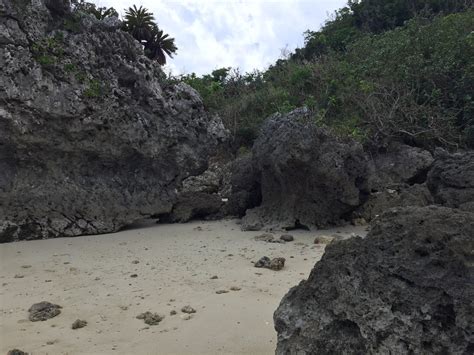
x,y
451,180
407,288
309,177
92,138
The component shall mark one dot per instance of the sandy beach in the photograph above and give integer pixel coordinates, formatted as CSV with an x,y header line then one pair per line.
x,y
107,280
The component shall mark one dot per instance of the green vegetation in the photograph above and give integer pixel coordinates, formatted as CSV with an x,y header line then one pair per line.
x,y
140,24
48,51
94,89
377,71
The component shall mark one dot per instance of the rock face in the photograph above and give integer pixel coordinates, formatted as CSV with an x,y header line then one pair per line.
x,y
308,176
451,180
407,288
228,188
401,164
91,136
398,179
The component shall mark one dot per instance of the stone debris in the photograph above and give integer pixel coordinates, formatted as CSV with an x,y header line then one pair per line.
x,y
323,239
275,264
43,311
287,238
151,318
188,309
78,323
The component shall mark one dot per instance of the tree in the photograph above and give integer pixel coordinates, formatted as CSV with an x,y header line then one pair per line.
x,y
139,23
158,44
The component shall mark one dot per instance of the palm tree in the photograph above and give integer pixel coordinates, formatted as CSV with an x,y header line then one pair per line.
x,y
159,44
138,22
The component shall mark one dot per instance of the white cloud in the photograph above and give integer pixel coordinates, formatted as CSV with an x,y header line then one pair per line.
x,y
248,34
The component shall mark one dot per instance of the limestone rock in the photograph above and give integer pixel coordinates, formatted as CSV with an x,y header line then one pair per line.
x,y
407,288
309,177
451,180
92,137
43,311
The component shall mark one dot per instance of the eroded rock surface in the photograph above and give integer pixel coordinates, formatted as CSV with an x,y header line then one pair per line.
x,y
43,311
451,180
407,288
92,138
308,176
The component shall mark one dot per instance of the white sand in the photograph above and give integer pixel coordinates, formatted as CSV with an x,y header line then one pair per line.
x,y
90,278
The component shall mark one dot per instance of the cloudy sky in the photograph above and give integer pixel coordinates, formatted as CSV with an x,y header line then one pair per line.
x,y
249,34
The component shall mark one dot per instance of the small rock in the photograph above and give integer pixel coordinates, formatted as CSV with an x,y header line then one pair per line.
x,y
277,264
221,291
151,318
186,316
188,309
235,288
265,237
135,262
214,277
26,266
322,239
78,323
43,311
287,237
18,276
133,275
263,262
16,352
273,264
173,313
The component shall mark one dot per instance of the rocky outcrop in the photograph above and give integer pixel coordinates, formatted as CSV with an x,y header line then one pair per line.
x,y
228,188
451,180
92,138
398,179
401,195
308,176
400,164
407,288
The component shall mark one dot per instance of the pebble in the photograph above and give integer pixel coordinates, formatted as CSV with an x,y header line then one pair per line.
x,y
188,309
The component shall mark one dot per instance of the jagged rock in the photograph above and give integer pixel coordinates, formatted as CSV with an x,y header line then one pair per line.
x,y
399,196
78,323
309,177
16,352
150,318
407,288
275,264
242,187
92,138
43,311
188,309
401,164
451,180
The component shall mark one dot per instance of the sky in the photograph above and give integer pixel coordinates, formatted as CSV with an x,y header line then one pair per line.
x,y
244,34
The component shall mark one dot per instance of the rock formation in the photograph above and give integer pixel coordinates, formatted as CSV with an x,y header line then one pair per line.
x,y
451,180
407,288
92,138
308,176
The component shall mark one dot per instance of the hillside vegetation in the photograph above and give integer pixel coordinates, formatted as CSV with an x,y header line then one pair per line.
x,y
377,71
